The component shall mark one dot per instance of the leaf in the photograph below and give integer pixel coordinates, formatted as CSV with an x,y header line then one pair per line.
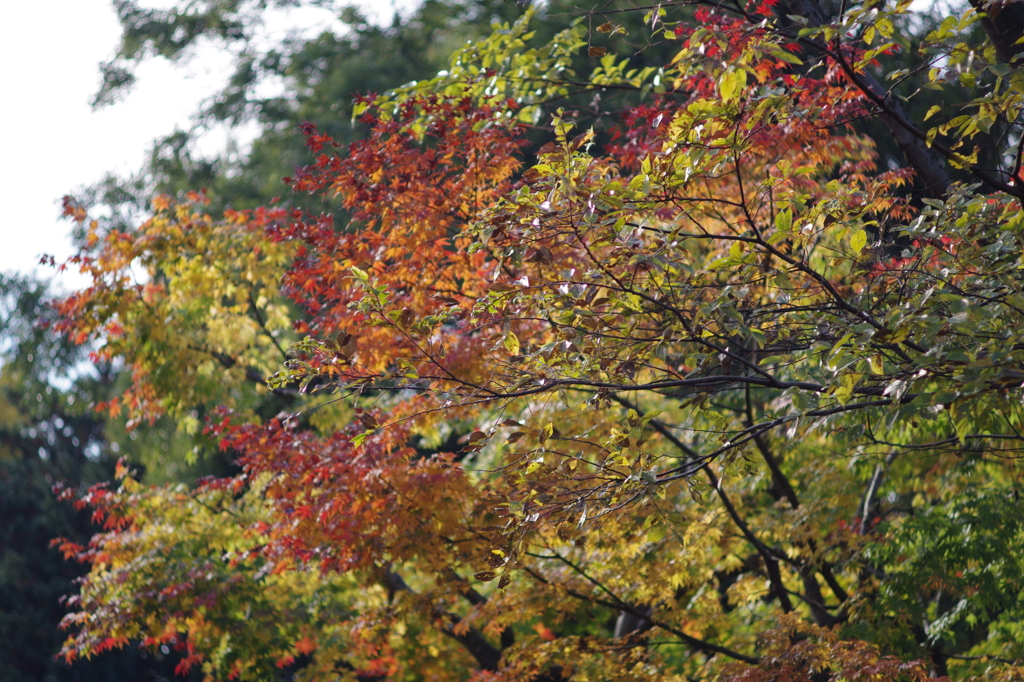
x,y
784,221
858,240
731,84
877,364
305,646
787,57
596,51
512,343
406,318
547,432
368,420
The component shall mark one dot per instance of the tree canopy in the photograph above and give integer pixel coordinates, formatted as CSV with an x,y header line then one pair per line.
x,y
616,367
50,435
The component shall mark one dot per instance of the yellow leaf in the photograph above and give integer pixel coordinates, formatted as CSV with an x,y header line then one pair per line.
x,y
877,364
858,241
732,84
512,343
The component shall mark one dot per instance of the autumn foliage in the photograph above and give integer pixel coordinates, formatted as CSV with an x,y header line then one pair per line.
x,y
692,389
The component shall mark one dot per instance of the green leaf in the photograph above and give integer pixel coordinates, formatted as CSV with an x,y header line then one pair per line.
x,y
788,57
784,221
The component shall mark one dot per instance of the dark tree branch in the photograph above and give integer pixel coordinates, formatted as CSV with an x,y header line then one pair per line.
x,y
786,488
487,656
928,167
693,642
1004,24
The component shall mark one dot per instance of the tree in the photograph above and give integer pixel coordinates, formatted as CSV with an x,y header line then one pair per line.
x,y
49,436
661,404
312,80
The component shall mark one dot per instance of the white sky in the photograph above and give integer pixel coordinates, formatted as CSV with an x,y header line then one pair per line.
x,y
51,142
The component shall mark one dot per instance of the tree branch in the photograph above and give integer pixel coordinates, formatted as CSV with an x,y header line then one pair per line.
x,y
770,561
693,642
486,655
